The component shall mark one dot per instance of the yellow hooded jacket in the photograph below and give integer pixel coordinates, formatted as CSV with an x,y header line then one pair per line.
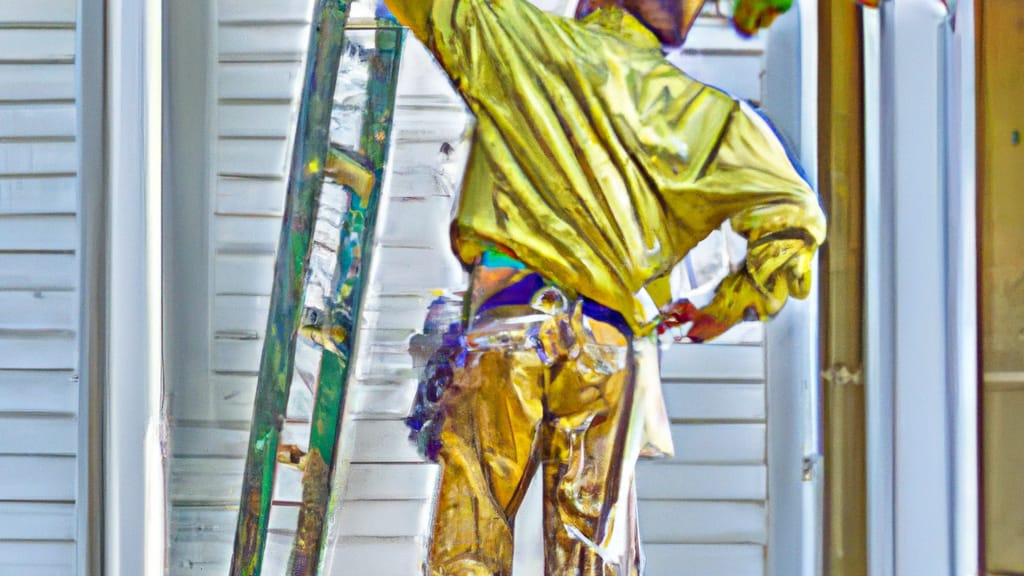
x,y
599,164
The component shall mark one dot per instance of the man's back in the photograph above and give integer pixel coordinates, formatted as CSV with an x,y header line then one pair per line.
x,y
595,159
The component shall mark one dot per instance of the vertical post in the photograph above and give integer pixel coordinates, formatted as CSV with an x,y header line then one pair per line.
x,y
962,324
841,183
92,267
791,336
914,170
134,494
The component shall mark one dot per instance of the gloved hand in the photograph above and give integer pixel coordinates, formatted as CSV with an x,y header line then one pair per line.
x,y
736,299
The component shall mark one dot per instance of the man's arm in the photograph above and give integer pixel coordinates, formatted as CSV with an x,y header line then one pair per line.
x,y
769,203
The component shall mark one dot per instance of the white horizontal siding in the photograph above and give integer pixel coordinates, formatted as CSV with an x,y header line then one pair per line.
x,y
38,392
44,82
20,521
52,194
42,558
679,559
39,239
38,477
23,121
39,271
37,45
51,13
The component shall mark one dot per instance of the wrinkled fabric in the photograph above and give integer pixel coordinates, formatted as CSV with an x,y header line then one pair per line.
x,y
543,388
600,164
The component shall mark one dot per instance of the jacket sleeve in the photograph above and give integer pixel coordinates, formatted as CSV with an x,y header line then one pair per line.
x,y
767,200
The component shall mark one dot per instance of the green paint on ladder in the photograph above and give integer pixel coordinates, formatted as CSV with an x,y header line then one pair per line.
x,y
342,315
278,357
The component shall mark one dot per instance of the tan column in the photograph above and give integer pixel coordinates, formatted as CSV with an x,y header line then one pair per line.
x,y
841,183
1000,100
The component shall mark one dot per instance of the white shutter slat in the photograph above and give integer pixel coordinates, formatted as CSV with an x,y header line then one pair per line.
x,y
377,556
41,195
703,522
376,441
244,274
37,272
414,224
37,478
715,401
264,10
701,482
719,443
401,270
30,158
236,355
385,364
38,392
38,233
383,401
37,558
254,196
34,44
205,524
203,537
384,518
711,362
255,120
199,558
704,560
43,350
390,482
37,521
246,234
206,481
226,398
38,435
283,41
37,82
38,11
259,81
37,310
252,157
397,311
240,314
190,441
37,121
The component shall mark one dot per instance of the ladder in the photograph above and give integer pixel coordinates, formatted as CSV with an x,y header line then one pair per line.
x,y
330,179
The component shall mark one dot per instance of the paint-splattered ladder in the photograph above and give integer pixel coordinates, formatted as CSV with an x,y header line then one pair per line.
x,y
329,180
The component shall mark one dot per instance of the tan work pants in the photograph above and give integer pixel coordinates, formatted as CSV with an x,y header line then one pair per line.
x,y
553,391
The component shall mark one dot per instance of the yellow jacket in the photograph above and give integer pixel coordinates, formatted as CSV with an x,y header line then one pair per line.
x,y
599,164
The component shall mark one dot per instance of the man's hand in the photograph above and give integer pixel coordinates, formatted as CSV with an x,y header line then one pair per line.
x,y
705,326
736,299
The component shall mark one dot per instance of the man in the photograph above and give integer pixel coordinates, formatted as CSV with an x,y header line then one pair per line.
x,y
596,167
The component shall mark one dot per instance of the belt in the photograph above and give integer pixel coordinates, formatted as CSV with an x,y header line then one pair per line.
x,y
523,291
